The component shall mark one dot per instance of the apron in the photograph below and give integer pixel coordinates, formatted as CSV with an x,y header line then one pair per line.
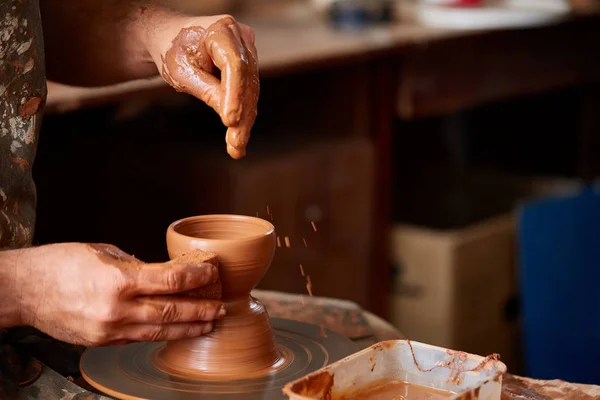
x,y
22,98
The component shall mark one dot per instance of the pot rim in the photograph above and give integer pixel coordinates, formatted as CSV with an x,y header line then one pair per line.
x,y
269,227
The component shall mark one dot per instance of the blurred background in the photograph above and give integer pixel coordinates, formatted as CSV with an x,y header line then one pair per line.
x,y
446,150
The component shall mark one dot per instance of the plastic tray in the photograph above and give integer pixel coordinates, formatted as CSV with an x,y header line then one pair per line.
x,y
467,375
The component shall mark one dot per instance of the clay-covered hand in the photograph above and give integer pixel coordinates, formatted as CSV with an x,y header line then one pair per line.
x,y
214,59
97,295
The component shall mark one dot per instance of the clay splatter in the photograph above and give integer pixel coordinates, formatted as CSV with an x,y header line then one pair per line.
x,y
314,226
30,108
302,270
323,331
304,241
288,244
455,364
278,242
309,285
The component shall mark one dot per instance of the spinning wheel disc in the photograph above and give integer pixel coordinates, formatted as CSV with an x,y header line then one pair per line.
x,y
128,372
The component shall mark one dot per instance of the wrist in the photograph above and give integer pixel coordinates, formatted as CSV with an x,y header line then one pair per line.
x,y
152,26
13,266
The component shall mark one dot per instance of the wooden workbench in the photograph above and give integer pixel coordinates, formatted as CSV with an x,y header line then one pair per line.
x,y
51,385
287,45
464,67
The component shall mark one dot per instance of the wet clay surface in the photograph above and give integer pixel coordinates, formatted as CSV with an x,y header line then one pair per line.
x,y
394,390
318,386
244,355
242,343
190,66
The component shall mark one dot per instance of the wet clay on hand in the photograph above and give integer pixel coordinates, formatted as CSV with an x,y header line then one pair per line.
x,y
243,343
110,297
212,291
113,255
190,65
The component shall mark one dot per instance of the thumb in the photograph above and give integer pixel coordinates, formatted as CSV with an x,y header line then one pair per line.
x,y
168,278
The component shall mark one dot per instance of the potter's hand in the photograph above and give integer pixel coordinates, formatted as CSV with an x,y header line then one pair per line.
x,y
96,295
188,52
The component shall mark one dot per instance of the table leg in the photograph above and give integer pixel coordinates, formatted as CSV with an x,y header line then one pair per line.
x,y
383,102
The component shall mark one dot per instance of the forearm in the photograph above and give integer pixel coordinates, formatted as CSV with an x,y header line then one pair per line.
x,y
91,42
12,268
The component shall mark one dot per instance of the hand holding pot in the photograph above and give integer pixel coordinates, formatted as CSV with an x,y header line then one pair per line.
x,y
190,50
97,295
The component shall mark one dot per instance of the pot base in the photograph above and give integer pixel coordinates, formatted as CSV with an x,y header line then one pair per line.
x,y
128,372
241,344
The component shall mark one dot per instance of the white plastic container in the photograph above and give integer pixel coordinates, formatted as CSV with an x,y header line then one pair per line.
x,y
468,376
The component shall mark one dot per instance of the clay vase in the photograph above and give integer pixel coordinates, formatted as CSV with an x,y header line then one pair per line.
x,y
241,345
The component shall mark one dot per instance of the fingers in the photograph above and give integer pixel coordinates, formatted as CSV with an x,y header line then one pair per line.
x,y
187,42
237,153
181,74
237,139
238,136
171,309
230,47
189,70
159,333
249,39
225,46
165,279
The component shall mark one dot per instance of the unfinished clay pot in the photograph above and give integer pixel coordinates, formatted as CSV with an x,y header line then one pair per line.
x,y
242,345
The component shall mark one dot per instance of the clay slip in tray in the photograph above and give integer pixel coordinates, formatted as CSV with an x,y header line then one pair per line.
x,y
468,376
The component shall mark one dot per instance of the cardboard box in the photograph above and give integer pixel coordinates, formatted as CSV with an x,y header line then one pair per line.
x,y
453,287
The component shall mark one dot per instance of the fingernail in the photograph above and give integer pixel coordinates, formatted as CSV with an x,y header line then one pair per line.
x,y
207,327
222,311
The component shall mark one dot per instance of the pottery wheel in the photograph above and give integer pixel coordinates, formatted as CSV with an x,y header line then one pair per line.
x,y
126,372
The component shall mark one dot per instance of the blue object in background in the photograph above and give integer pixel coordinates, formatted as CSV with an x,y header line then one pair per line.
x,y
357,14
560,285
